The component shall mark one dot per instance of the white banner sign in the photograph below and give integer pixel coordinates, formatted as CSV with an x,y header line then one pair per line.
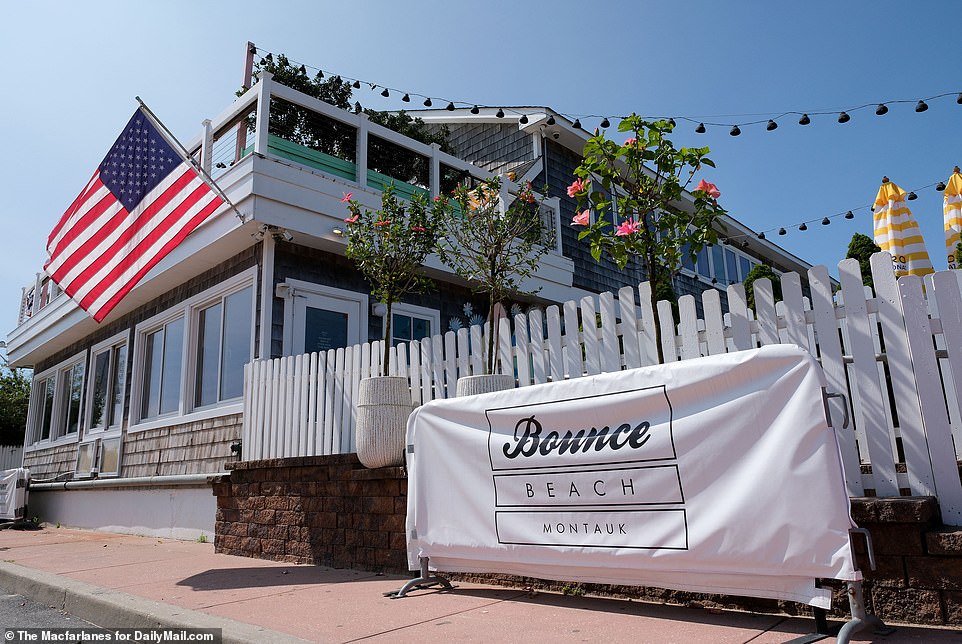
x,y
715,475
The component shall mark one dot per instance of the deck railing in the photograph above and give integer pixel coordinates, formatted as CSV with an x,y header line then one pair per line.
x,y
896,355
354,151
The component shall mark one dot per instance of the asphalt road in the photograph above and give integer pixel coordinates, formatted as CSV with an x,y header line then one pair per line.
x,y
17,611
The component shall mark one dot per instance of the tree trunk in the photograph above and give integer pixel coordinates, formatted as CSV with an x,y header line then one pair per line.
x,y
386,362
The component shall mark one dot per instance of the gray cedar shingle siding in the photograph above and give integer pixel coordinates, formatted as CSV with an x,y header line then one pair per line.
x,y
495,147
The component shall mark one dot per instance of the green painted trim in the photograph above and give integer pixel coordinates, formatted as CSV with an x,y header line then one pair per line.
x,y
402,189
312,158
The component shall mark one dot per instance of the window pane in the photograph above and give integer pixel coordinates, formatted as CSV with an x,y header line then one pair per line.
x,y
110,456
401,328
73,390
745,265
732,263
421,330
100,384
324,329
703,268
686,260
208,350
118,381
153,361
47,388
237,343
718,261
173,357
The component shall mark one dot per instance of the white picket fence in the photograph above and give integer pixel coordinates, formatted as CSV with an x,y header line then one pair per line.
x,y
896,355
11,457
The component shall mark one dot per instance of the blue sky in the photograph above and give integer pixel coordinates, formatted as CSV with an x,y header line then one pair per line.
x,y
74,69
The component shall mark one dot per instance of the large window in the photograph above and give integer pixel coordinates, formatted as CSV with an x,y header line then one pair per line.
x,y
163,358
223,347
191,358
56,405
108,378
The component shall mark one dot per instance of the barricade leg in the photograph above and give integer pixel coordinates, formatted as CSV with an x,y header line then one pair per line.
x,y
861,619
424,580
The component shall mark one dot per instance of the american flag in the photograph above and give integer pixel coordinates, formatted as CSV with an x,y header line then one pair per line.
x,y
142,201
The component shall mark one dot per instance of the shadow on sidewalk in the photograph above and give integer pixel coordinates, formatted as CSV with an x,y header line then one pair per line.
x,y
266,577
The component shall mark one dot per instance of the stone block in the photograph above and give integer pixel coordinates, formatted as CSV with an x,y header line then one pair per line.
x,y
907,605
936,573
889,571
391,523
895,539
272,546
922,510
375,539
947,541
953,607
264,516
380,504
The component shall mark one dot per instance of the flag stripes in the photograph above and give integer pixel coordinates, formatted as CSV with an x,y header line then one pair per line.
x,y
142,201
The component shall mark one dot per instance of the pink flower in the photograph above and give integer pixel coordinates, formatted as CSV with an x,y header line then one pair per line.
x,y
576,187
630,141
352,220
581,219
347,196
628,227
385,222
710,188
419,229
437,197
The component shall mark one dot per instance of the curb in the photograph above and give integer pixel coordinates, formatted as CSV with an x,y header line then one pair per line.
x,y
113,609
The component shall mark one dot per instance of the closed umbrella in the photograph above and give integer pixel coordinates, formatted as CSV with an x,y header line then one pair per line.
x,y
952,211
897,232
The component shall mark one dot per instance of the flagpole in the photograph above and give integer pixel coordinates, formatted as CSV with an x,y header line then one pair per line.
x,y
190,159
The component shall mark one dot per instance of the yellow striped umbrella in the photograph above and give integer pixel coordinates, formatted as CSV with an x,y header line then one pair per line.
x,y
952,211
897,232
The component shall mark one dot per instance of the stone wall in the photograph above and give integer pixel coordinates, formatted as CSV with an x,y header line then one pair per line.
x,y
322,510
330,510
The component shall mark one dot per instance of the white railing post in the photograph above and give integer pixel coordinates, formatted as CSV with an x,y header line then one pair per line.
x,y
207,146
363,127
263,119
38,283
435,178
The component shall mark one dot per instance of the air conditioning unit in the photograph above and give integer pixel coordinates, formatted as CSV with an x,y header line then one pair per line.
x,y
13,493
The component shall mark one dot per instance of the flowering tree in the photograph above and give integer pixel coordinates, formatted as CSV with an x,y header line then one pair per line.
x,y
493,248
389,245
637,193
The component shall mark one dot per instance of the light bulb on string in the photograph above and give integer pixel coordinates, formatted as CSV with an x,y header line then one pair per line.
x,y
500,113
576,124
803,227
550,120
605,122
881,109
700,129
761,235
826,221
427,102
475,110
921,106
804,120
523,120
850,215
406,98
958,99
782,231
357,85
735,131
843,117
772,125
940,186
385,93
912,196
450,106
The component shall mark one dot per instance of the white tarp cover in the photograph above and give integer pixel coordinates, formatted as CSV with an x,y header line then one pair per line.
x,y
13,493
716,475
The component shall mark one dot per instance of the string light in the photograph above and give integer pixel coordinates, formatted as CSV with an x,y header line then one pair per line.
x,y
843,116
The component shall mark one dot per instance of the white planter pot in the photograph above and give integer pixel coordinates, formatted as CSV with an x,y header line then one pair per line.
x,y
471,385
383,407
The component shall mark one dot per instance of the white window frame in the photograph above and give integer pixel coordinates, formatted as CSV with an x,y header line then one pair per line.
x,y
413,310
32,440
188,310
109,345
291,289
